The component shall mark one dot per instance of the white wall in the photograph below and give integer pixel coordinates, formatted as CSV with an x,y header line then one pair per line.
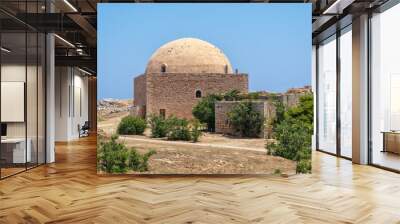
x,y
71,102
16,73
346,94
314,89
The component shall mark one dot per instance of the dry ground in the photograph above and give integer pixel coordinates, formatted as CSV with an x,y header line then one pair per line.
x,y
213,154
199,158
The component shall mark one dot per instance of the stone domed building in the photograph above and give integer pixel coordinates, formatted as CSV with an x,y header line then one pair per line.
x,y
179,73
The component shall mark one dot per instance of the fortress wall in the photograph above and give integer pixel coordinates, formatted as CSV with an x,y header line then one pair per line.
x,y
175,92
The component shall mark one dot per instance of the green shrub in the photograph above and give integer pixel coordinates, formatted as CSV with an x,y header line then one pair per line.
x,y
304,111
232,95
138,162
112,156
195,132
204,111
159,126
245,120
115,157
175,128
131,125
293,142
279,113
304,166
178,129
293,129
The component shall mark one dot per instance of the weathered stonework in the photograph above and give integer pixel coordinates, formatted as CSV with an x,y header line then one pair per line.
x,y
291,99
176,71
139,92
223,125
176,93
264,105
189,55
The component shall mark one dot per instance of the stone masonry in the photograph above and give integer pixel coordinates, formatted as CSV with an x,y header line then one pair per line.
x,y
176,93
179,74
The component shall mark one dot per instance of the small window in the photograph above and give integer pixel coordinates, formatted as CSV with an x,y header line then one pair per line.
x,y
163,68
198,94
162,113
226,69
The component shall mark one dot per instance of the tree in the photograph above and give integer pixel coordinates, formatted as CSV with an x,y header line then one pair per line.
x,y
247,121
304,110
232,95
294,143
293,131
204,111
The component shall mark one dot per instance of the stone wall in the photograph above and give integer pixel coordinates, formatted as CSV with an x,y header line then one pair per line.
x,y
223,126
139,91
291,99
175,92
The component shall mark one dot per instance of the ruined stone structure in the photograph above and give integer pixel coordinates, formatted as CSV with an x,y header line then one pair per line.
x,y
179,73
263,105
223,125
292,96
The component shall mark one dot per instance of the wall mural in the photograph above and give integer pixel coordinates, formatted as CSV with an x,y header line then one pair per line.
x,y
194,95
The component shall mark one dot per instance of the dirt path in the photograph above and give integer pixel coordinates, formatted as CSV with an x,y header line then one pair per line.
x,y
179,143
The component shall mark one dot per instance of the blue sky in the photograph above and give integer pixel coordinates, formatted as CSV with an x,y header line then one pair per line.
x,y
270,42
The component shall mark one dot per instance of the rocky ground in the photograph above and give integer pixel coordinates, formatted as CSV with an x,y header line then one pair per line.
x,y
213,154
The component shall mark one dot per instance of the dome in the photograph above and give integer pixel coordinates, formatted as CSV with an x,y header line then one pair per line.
x,y
188,55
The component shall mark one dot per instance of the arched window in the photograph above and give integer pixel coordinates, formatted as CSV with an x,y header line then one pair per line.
x,y
163,68
226,69
198,94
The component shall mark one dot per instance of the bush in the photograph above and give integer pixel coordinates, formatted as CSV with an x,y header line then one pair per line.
x,y
138,162
112,156
293,129
178,129
252,96
159,126
131,125
293,140
195,131
304,166
232,95
115,157
204,111
294,143
175,128
245,120
304,111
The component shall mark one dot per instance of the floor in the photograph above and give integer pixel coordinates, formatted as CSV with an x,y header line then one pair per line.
x,y
5,172
8,171
70,191
386,159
